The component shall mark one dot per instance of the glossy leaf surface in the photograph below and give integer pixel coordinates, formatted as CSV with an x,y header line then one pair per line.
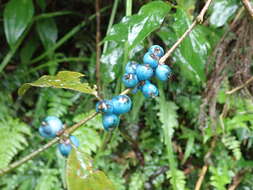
x,y
222,10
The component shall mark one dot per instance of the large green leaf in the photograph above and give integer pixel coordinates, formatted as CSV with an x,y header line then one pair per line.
x,y
48,32
133,29
64,79
222,10
17,16
80,174
192,53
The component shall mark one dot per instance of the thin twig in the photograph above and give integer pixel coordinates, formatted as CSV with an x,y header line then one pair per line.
x,y
248,6
241,86
201,177
205,167
125,91
199,19
98,48
46,146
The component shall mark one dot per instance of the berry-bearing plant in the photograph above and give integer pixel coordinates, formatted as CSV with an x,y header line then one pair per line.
x,y
136,77
146,137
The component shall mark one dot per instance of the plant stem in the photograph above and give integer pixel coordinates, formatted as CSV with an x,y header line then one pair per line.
x,y
112,17
46,146
98,48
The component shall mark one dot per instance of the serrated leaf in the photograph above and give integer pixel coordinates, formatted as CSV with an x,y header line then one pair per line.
x,y
17,15
64,79
80,174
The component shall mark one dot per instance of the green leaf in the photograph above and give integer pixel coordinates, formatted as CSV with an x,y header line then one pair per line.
x,y
189,148
134,29
192,53
17,16
64,79
80,174
222,10
47,31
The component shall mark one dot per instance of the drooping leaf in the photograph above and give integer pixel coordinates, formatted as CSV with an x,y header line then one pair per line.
x,y
80,174
64,79
222,10
47,31
17,15
192,53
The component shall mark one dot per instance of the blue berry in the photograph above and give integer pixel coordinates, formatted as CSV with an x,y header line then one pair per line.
x,y
130,80
156,50
144,72
121,104
163,72
151,60
149,90
110,121
104,106
131,67
50,127
66,146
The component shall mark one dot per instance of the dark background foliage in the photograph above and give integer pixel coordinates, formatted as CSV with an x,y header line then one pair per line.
x,y
162,143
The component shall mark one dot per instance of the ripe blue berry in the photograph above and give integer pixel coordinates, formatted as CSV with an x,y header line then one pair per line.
x,y
149,90
66,146
110,121
156,50
104,106
151,59
144,72
130,80
163,72
131,67
50,127
121,104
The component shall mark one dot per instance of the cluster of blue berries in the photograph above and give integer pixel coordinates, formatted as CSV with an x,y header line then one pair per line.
x,y
137,76
111,109
51,127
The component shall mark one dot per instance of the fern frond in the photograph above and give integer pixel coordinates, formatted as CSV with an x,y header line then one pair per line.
x,y
88,136
59,102
231,143
49,180
12,139
179,178
220,177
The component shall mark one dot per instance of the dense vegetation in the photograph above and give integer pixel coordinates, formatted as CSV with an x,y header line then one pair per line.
x,y
195,126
